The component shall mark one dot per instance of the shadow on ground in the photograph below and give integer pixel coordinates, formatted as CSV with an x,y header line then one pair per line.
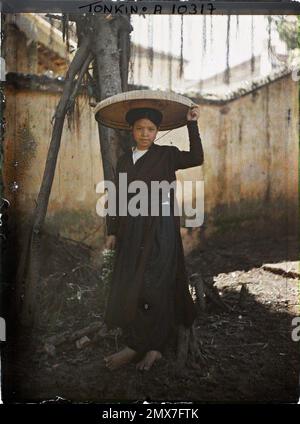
x,y
248,353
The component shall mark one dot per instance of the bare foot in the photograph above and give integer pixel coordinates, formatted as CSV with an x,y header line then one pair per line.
x,y
148,360
118,359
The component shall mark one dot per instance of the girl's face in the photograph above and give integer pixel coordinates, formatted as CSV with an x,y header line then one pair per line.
x,y
144,133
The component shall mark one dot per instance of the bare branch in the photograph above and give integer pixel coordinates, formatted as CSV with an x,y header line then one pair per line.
x,y
78,66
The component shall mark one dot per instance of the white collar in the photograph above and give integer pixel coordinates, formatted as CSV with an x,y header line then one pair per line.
x,y
134,149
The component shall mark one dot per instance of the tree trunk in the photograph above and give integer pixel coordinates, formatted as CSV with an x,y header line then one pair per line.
x,y
107,73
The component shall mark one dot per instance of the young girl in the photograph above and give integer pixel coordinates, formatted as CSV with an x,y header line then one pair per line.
x,y
149,294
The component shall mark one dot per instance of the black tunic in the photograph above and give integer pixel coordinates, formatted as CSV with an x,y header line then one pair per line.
x,y
149,292
155,315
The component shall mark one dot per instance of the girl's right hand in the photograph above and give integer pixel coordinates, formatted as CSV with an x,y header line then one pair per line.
x,y
193,113
110,242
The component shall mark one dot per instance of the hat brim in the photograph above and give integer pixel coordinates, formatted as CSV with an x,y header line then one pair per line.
x,y
111,112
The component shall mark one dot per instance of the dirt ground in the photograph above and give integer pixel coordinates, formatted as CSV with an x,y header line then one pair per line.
x,y
248,353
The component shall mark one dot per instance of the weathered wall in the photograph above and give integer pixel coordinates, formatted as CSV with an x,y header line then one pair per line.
x,y
72,207
165,71
32,45
238,73
250,171
251,150
19,56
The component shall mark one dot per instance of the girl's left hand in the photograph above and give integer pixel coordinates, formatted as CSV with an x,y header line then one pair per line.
x,y
193,113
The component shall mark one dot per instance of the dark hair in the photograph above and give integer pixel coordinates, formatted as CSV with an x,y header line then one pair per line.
x,y
153,115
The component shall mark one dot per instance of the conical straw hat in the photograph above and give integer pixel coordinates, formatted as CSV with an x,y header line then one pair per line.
x,y
111,111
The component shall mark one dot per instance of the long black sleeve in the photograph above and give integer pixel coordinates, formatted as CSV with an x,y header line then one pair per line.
x,y
195,156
